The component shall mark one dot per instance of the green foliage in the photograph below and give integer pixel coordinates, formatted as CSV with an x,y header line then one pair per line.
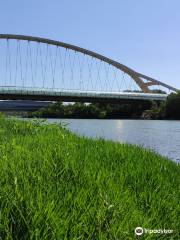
x,y
55,185
173,106
158,91
170,109
93,110
156,111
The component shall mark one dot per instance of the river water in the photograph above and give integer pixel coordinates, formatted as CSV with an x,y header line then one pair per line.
x,y
161,136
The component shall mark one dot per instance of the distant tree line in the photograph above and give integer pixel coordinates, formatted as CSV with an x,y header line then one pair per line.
x,y
93,110
169,109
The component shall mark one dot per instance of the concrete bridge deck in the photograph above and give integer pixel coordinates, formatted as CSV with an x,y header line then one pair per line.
x,y
48,94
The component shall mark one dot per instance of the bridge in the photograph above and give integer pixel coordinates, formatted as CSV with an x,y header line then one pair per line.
x,y
34,68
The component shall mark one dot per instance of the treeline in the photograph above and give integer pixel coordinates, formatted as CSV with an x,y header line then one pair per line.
x,y
93,110
170,109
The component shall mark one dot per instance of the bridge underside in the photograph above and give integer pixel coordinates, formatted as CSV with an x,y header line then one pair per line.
x,y
69,99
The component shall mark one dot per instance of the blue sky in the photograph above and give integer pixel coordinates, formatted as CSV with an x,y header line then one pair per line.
x,y
142,34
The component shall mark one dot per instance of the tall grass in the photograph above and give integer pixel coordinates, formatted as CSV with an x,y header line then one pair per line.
x,y
55,185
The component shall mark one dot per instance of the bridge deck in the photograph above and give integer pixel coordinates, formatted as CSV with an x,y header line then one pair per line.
x,y
73,95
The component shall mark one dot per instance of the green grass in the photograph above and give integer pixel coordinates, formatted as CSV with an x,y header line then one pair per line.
x,y
55,185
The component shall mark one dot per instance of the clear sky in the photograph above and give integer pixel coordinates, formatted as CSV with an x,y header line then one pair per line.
x,y
142,34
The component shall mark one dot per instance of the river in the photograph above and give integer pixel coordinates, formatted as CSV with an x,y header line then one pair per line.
x,y
161,136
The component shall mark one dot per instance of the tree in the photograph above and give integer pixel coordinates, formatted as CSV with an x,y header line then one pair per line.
x,y
172,107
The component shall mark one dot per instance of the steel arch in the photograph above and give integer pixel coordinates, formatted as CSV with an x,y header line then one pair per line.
x,y
136,76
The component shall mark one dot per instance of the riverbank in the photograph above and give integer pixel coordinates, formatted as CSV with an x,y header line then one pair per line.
x,y
56,185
